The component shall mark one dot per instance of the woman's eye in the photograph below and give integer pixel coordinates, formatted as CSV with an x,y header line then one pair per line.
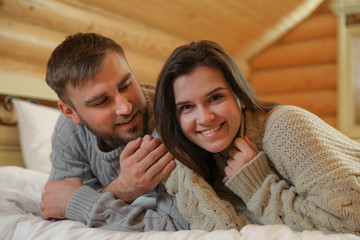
x,y
217,97
184,108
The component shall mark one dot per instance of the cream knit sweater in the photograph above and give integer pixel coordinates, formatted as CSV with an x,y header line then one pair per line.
x,y
306,175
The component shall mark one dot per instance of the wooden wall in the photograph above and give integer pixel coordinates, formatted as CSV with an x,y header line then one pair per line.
x,y
300,68
30,30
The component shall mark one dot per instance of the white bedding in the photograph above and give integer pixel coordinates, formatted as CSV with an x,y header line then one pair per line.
x,y
20,195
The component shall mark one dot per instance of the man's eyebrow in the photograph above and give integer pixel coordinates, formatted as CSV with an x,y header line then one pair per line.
x,y
124,79
93,99
208,94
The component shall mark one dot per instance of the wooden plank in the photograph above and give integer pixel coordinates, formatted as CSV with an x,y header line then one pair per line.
x,y
318,102
329,119
196,19
318,76
317,26
322,50
145,68
10,151
19,66
26,42
61,16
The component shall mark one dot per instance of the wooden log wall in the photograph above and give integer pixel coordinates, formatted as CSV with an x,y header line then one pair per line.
x,y
31,29
300,68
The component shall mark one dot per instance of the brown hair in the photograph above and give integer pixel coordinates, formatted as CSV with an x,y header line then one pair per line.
x,y
76,60
183,61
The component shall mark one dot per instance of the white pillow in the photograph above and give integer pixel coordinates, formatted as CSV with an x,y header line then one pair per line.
x,y
36,125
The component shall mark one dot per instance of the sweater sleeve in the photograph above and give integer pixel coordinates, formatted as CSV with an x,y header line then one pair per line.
x,y
307,176
95,209
103,210
199,203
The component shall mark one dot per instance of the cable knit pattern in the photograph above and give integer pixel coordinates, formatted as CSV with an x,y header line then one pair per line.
x,y
306,175
199,204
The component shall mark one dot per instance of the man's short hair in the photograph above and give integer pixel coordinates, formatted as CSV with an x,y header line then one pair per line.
x,y
77,60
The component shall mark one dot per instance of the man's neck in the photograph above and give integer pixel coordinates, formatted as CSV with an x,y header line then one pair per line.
x,y
103,146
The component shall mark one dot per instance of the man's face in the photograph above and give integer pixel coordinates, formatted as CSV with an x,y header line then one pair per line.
x,y
112,104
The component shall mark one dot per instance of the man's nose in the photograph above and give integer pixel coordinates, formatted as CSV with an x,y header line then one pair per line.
x,y
122,105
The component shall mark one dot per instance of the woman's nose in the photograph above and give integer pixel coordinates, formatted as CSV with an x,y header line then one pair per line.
x,y
205,116
122,105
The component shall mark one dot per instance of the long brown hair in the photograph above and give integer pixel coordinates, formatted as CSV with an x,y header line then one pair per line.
x,y
183,61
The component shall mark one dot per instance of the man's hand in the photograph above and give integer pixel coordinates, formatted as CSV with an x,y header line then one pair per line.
x,y
56,197
243,152
143,164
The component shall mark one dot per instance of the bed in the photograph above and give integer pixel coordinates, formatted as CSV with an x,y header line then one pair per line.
x,y
25,132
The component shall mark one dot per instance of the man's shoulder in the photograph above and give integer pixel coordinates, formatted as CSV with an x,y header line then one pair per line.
x,y
147,87
65,128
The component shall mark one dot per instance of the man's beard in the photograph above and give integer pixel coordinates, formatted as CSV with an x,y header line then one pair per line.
x,y
114,140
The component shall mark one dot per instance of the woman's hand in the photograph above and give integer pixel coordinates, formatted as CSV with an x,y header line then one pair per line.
x,y
243,151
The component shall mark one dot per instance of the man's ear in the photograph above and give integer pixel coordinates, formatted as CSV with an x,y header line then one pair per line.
x,y
69,113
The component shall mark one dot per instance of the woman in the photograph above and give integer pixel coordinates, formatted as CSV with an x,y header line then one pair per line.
x,y
242,160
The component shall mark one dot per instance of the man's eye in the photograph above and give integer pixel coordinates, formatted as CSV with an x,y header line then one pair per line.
x,y
125,85
100,102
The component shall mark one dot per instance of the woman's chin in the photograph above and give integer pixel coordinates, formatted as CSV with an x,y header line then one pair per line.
x,y
216,149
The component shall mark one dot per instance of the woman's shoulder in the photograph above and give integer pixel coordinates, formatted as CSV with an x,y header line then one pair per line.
x,y
286,114
291,120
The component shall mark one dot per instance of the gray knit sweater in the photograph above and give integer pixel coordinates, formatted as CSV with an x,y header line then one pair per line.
x,y
306,175
76,153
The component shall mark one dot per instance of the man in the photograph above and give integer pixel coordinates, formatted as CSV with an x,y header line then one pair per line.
x,y
104,166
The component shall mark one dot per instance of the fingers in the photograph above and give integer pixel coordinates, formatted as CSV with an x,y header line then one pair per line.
x,y
130,148
229,171
138,151
162,167
251,144
243,152
146,139
155,166
242,144
56,195
155,156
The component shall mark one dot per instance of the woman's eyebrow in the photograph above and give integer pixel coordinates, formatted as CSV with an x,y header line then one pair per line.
x,y
215,90
208,94
181,103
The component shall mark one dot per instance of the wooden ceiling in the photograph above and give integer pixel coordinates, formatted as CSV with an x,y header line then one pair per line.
x,y
241,26
149,30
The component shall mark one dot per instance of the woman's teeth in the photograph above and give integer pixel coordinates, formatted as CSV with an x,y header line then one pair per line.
x,y
210,131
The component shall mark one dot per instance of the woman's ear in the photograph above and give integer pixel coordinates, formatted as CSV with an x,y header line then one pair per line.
x,y
69,113
240,104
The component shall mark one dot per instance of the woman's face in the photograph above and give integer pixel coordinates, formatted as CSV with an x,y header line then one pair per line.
x,y
206,107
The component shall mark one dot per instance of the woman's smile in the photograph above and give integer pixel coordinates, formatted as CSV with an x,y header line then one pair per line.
x,y
207,110
210,132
